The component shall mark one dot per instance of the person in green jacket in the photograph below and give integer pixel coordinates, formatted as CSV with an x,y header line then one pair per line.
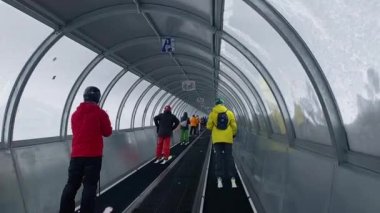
x,y
222,123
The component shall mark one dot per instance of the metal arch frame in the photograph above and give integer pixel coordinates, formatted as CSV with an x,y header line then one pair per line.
x,y
228,101
252,89
127,8
231,93
234,94
239,74
250,86
92,65
176,104
22,79
145,60
193,76
138,103
180,107
206,66
163,103
131,8
149,103
158,103
314,71
20,84
167,99
237,86
184,109
156,31
290,132
223,91
144,39
218,25
101,14
121,9
246,99
74,90
110,86
79,23
121,107
123,101
233,82
155,106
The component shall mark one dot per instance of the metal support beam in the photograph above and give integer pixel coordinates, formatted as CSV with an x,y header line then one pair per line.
x,y
245,97
269,80
253,90
218,9
156,105
313,70
148,105
20,83
110,86
73,92
123,101
138,103
179,108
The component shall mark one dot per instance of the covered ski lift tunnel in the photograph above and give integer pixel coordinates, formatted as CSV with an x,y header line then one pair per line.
x,y
302,78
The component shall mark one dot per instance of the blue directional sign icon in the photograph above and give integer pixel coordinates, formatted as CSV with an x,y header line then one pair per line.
x,y
167,45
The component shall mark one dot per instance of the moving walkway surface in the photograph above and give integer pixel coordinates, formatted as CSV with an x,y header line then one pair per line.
x,y
176,192
174,186
125,192
226,199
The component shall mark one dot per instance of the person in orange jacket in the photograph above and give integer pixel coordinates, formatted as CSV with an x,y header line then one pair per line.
x,y
193,125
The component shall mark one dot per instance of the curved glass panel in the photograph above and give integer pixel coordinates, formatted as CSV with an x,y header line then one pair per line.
x,y
141,107
19,38
172,104
100,77
240,96
161,103
177,108
301,100
126,116
225,69
148,121
113,101
41,105
274,113
344,38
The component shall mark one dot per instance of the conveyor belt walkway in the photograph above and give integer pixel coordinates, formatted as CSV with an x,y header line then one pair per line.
x,y
176,186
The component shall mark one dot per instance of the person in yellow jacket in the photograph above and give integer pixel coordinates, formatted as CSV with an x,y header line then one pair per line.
x,y
222,123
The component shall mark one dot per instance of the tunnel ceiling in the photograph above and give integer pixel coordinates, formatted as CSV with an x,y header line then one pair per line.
x,y
306,70
130,32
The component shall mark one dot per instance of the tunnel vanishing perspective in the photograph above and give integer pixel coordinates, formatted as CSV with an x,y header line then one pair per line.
x,y
301,77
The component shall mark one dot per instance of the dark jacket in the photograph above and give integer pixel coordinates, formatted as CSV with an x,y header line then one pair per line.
x,y
89,124
185,119
165,122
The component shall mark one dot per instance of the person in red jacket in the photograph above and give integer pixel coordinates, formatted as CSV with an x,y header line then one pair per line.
x,y
89,124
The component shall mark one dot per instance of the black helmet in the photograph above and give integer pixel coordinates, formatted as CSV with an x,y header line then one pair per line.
x,y
91,94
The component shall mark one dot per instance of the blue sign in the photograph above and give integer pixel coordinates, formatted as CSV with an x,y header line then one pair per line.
x,y
167,45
